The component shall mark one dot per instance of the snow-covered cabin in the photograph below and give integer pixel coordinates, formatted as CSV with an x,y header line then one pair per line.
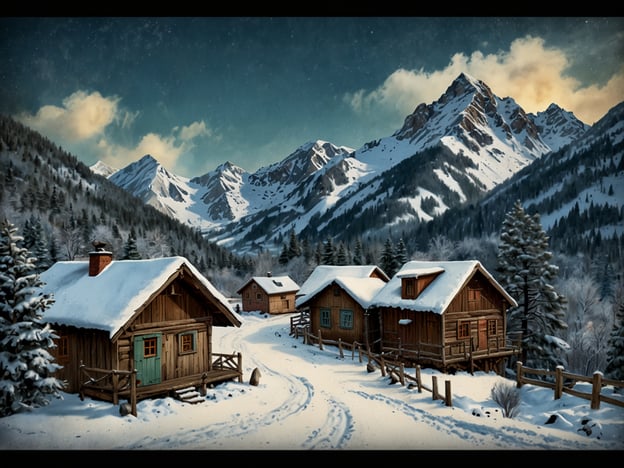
x,y
269,294
154,316
336,300
448,314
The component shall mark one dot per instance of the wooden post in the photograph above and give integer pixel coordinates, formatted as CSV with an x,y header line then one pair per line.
x,y
418,378
115,381
239,367
434,387
518,374
340,348
449,398
383,366
402,374
320,338
558,382
596,389
133,393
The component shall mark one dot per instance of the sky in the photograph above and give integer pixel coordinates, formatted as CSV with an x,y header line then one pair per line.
x,y
315,400
195,92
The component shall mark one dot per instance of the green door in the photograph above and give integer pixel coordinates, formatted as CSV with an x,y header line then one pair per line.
x,y
147,358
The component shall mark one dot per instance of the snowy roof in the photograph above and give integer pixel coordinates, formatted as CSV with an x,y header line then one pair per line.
x,y
362,290
322,273
107,301
437,296
273,284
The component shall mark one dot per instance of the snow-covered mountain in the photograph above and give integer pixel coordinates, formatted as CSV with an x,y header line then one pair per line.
x,y
450,152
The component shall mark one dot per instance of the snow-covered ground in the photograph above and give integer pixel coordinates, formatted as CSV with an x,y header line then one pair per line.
x,y
312,399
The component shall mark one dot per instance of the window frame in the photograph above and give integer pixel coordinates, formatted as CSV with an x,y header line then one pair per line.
x,y
182,337
463,329
346,319
325,317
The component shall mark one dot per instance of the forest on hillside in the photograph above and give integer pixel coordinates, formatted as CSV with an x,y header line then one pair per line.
x,y
60,207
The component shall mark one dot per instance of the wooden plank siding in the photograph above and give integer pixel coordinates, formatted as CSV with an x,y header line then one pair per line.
x,y
438,339
254,298
336,299
167,314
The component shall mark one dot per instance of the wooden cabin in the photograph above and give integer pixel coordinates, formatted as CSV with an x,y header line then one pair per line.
x,y
447,315
147,320
336,301
269,294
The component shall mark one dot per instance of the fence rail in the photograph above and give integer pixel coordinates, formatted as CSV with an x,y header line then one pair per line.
x,y
565,381
396,371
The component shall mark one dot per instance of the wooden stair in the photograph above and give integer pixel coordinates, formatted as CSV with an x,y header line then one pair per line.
x,y
189,395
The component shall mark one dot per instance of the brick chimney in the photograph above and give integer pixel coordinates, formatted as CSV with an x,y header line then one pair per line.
x,y
99,258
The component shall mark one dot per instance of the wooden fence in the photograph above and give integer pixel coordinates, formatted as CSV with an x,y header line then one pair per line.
x,y
565,381
396,371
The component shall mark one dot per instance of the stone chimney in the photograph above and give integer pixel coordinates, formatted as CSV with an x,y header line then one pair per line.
x,y
99,258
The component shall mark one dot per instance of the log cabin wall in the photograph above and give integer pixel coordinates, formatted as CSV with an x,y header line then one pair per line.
x,y
92,347
481,306
171,313
281,303
336,299
254,298
424,328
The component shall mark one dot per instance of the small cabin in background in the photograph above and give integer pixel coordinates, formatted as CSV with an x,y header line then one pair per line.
x,y
450,315
155,317
269,294
335,303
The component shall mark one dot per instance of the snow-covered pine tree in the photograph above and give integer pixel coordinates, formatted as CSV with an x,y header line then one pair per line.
x,y
328,255
26,366
130,248
527,275
615,353
387,261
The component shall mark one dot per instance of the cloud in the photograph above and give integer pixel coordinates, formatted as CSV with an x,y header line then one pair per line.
x,y
82,116
532,74
196,129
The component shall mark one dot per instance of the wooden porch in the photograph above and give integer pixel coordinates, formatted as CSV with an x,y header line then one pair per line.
x,y
457,355
113,385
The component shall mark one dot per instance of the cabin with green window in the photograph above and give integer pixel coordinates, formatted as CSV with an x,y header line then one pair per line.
x,y
335,299
140,327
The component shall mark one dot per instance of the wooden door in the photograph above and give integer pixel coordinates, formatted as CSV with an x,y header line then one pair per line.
x,y
147,358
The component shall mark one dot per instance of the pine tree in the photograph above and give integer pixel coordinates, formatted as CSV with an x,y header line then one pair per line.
x,y
357,254
527,275
26,366
615,353
327,257
130,248
283,258
341,255
400,254
387,262
294,249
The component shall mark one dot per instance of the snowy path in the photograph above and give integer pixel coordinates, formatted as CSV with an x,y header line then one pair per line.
x,y
310,399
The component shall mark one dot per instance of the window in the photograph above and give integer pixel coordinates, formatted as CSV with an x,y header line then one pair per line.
x,y
346,319
473,295
149,347
325,317
463,330
258,296
491,327
336,291
187,342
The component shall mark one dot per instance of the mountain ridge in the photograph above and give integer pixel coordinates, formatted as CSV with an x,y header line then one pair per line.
x,y
469,141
